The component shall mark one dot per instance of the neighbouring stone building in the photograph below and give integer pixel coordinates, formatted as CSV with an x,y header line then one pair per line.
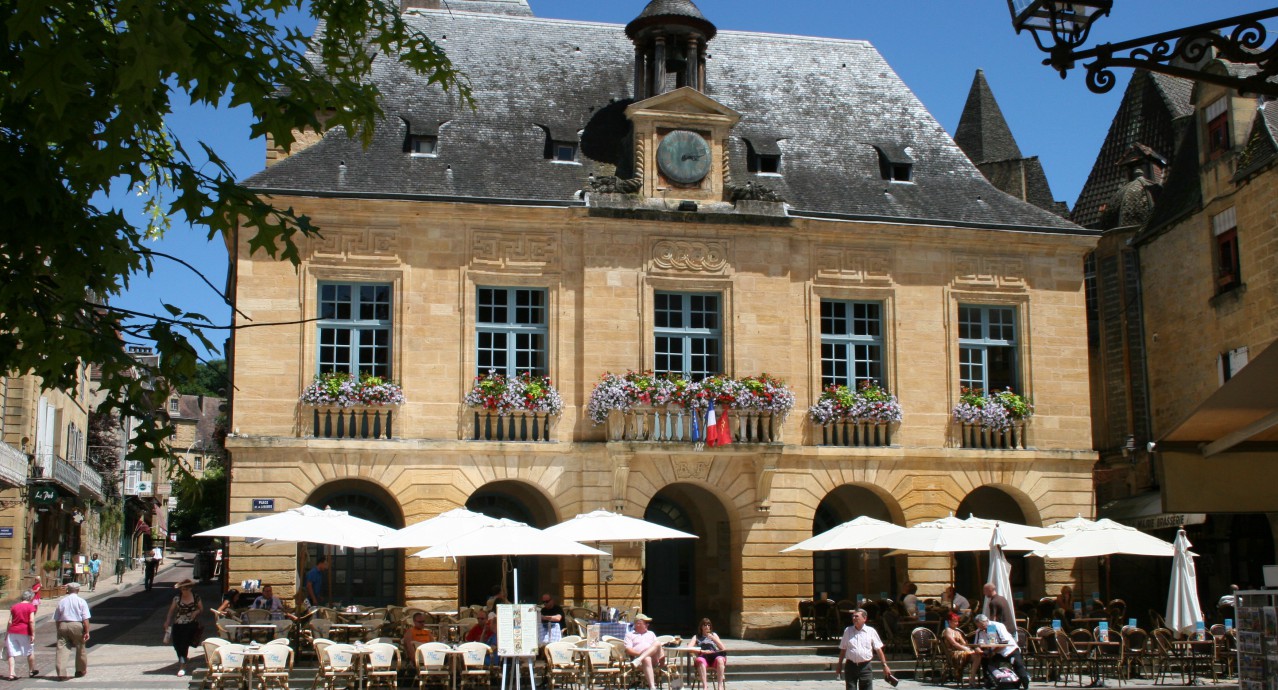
x,y
1180,298
658,196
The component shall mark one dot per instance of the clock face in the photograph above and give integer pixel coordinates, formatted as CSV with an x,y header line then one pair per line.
x,y
684,157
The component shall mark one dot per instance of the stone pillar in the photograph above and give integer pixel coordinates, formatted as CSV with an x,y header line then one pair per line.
x,y
691,68
641,83
658,67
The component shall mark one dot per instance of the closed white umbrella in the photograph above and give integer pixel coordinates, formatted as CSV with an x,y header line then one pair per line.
x,y
1183,612
436,530
1000,574
307,524
849,535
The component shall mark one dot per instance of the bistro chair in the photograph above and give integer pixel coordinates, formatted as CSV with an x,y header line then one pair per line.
x,y
381,666
807,622
1073,662
561,665
922,640
1045,653
600,668
432,665
843,609
226,667
1136,651
1108,658
1166,657
257,617
336,663
474,669
277,665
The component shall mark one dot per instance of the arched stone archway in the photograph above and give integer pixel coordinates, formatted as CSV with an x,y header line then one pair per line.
x,y
971,568
361,576
845,574
513,500
687,579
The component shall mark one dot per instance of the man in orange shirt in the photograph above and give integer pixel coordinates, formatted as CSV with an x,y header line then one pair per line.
x,y
416,635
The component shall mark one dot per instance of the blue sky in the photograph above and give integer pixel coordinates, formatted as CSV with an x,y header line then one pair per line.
x,y
935,46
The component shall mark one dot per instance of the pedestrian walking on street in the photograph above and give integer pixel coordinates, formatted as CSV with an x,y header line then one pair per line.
x,y
20,640
182,624
35,590
95,568
153,560
857,648
72,621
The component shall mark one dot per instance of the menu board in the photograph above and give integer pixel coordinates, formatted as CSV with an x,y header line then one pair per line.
x,y
517,628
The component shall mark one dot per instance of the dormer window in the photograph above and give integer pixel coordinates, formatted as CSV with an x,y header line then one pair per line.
x,y
1216,116
173,405
425,145
563,151
895,162
763,159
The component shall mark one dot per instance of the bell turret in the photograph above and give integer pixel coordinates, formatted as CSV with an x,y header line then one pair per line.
x,y
670,39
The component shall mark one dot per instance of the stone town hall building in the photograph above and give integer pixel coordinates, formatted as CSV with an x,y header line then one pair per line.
x,y
610,204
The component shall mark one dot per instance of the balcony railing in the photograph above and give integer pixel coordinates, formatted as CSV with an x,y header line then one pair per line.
x,y
352,422
14,465
66,474
977,436
854,434
674,424
520,425
91,482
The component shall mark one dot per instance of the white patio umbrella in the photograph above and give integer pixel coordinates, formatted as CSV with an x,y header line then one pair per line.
x,y
1183,611
602,526
508,538
950,534
1083,538
1014,529
436,530
849,535
307,524
1000,574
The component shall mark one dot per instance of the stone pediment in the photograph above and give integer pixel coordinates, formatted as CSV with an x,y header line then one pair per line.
x,y
684,101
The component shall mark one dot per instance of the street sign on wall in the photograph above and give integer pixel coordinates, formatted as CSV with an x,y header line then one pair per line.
x,y
263,505
6,533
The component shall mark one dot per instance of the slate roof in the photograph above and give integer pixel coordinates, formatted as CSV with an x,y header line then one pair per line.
x,y
1262,144
1153,112
982,130
825,103
512,7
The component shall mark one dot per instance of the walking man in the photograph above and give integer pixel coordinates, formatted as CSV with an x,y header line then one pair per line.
x,y
95,568
857,648
153,560
72,621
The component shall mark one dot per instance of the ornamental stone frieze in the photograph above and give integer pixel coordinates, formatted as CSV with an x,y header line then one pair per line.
x,y
518,251
860,265
366,245
690,256
989,271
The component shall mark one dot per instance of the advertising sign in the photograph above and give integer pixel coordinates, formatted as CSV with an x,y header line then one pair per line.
x,y
517,629
44,494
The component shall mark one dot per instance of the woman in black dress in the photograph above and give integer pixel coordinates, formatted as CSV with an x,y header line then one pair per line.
x,y
711,653
181,626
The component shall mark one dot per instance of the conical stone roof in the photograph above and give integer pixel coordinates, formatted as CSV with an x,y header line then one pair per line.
x,y
982,131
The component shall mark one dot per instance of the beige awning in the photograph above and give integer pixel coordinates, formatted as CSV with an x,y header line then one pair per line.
x,y
1239,415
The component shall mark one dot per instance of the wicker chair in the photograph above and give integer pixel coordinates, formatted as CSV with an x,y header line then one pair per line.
x,y
1046,657
922,642
807,623
1074,662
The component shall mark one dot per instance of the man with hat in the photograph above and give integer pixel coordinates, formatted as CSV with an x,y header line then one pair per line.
x,y
72,621
641,643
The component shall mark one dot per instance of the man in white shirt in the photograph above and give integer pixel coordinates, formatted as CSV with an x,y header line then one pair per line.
x,y
857,648
153,561
642,645
1001,645
72,621
957,602
269,602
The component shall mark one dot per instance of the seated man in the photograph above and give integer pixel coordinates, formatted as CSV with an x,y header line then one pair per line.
x,y
416,636
642,645
267,601
996,645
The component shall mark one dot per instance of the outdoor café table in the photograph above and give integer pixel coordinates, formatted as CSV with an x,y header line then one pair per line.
x,y
1194,651
1094,651
685,660
345,630
251,632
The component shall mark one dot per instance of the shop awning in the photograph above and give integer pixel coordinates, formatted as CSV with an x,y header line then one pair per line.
x,y
1216,460
1145,512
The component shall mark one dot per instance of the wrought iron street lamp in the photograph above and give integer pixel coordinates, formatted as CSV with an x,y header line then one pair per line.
x,y
1060,29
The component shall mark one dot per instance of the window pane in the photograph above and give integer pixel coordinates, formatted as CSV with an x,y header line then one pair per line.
x,y
851,343
972,367
970,324
834,318
668,310
834,364
669,355
867,320
1001,369
868,364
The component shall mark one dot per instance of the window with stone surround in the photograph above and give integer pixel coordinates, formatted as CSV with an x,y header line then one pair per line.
x,y
689,334
1216,118
1224,230
987,347
510,331
355,328
851,343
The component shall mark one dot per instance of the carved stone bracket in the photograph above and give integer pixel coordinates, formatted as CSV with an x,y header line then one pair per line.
x,y
620,479
765,468
693,256
989,271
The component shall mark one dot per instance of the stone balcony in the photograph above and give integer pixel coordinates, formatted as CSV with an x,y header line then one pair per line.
x,y
352,422
14,465
91,483
675,424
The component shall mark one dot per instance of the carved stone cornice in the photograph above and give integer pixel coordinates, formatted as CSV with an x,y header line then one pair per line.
x,y
690,256
854,265
988,271
522,251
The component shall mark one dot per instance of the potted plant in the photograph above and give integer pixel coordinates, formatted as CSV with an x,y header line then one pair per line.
x,y
992,420
860,417
352,406
668,407
531,398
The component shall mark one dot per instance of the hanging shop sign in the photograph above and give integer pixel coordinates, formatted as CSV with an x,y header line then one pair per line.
x,y
44,495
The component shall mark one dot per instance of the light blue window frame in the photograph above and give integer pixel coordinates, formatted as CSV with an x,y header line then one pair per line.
x,y
511,332
688,333
354,328
988,358
851,343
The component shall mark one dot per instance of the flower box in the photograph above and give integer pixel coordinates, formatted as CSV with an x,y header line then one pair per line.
x,y
992,420
350,406
647,407
866,417
513,408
